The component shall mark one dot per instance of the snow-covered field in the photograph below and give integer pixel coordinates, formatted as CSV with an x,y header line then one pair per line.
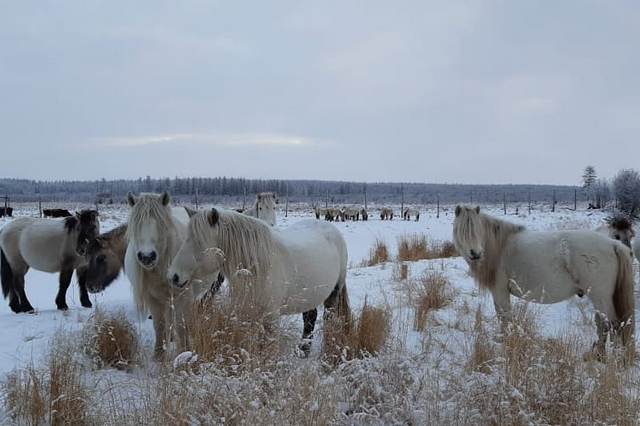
x,y
443,347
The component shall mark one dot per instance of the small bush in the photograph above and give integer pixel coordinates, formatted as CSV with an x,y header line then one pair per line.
x,y
220,333
378,254
430,292
366,337
111,340
416,247
54,394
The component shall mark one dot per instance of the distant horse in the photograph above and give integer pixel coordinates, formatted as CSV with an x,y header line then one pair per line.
x,y
264,208
56,213
618,227
6,211
409,211
351,213
291,271
386,213
364,214
549,267
46,245
155,231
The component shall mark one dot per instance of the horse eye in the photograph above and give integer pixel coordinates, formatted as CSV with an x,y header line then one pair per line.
x,y
617,237
101,259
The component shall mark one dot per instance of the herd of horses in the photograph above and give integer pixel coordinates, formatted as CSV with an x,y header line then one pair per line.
x,y
334,214
173,256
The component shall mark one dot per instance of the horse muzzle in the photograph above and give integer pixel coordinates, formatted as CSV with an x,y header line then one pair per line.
x,y
176,282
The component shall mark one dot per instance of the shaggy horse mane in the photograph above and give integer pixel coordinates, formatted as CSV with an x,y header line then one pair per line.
x,y
246,242
619,222
496,234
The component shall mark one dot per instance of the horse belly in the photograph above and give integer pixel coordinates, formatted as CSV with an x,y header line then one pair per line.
x,y
538,275
42,253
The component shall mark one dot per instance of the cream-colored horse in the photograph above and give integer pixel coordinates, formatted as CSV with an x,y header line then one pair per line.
x,y
155,232
549,267
264,208
289,271
48,245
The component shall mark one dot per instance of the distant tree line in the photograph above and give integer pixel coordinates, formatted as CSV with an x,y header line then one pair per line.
x,y
234,190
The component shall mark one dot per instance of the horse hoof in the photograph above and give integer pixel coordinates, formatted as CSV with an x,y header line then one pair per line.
x,y
86,304
304,349
63,307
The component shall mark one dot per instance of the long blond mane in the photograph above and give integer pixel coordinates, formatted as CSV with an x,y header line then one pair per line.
x,y
494,234
149,207
246,242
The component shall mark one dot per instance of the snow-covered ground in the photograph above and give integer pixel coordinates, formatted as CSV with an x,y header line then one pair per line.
x,y
26,337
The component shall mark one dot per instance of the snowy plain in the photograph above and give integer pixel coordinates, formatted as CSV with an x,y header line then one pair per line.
x,y
25,338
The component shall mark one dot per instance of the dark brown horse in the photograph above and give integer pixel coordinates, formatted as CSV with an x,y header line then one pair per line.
x,y
6,211
56,213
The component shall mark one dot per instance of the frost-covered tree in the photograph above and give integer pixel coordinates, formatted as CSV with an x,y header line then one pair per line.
x,y
626,187
589,177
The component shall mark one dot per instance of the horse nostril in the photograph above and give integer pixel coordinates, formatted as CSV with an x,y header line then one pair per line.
x,y
175,278
140,256
152,256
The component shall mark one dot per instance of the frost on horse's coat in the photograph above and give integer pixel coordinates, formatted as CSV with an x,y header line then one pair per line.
x,y
292,270
154,233
549,267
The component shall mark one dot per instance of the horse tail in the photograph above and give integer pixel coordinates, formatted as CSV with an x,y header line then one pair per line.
x,y
623,299
344,310
6,275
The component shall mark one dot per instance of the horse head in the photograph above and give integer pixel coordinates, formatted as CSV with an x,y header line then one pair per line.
x,y
469,233
194,259
148,227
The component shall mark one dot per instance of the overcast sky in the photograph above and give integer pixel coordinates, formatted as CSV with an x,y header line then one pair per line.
x,y
450,91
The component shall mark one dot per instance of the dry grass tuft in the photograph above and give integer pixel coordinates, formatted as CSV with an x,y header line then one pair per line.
x,y
482,353
222,334
111,340
416,247
430,292
366,337
378,254
54,394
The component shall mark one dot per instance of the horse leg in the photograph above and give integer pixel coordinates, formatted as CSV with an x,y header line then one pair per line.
x,y
25,306
159,327
82,286
65,280
604,318
309,319
502,304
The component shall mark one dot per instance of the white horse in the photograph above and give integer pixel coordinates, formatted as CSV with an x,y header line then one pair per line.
x,y
155,231
264,208
290,271
410,211
619,228
549,267
48,245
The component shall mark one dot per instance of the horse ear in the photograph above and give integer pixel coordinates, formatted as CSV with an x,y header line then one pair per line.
x,y
477,209
131,199
190,211
213,216
458,210
165,198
